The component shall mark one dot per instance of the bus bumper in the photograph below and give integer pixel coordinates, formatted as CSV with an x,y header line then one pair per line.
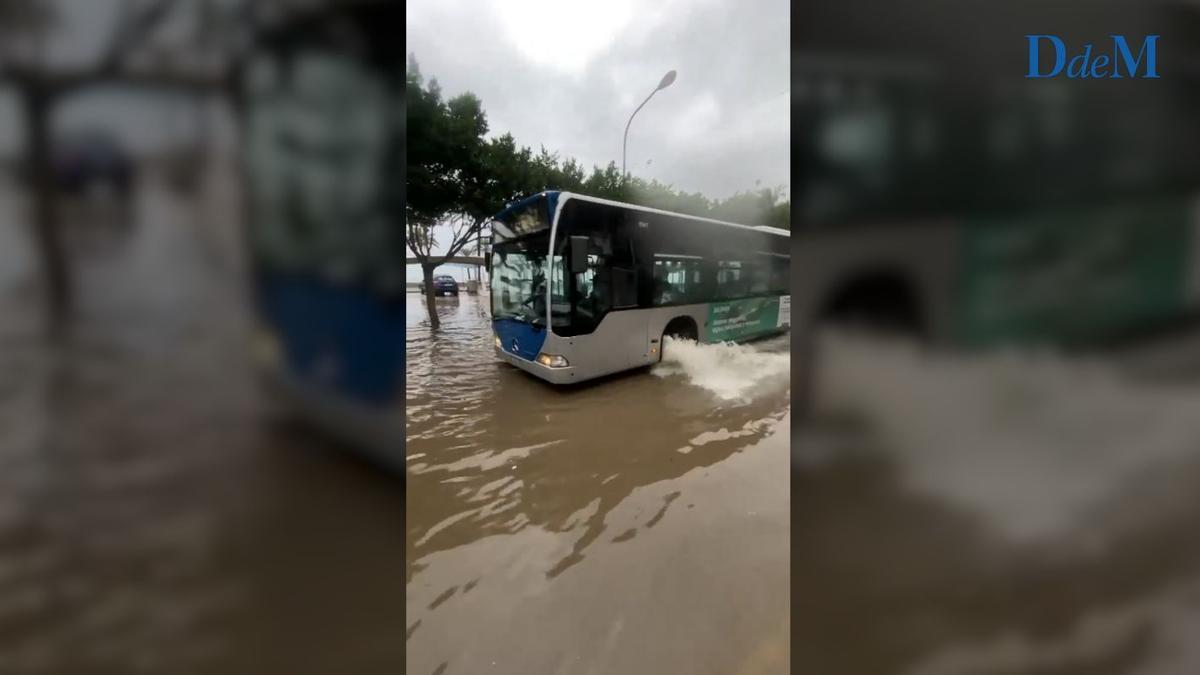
x,y
377,435
551,375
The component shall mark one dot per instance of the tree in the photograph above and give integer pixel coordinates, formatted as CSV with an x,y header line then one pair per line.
x,y
458,179
41,87
760,207
448,184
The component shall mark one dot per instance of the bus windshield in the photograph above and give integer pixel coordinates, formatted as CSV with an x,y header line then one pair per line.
x,y
519,279
520,243
319,151
322,129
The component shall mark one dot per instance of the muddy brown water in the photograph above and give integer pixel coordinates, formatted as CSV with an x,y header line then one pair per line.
x,y
1006,513
156,516
635,525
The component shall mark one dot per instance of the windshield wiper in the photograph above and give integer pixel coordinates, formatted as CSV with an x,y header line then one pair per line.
x,y
532,319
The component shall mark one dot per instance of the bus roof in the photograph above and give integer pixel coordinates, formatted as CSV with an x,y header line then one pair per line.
x,y
556,195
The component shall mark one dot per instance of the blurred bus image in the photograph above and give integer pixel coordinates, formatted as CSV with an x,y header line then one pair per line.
x,y
1035,246
584,287
942,194
323,157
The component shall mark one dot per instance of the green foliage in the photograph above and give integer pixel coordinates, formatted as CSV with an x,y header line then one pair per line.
x,y
447,159
760,207
456,173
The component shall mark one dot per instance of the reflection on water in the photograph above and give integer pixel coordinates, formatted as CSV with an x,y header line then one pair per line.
x,y
1006,513
621,518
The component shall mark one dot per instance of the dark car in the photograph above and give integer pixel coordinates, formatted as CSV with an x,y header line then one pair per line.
x,y
92,158
443,285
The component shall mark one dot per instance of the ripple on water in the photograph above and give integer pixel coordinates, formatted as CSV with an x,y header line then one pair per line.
x,y
493,450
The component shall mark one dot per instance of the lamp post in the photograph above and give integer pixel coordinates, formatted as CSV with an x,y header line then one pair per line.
x,y
663,84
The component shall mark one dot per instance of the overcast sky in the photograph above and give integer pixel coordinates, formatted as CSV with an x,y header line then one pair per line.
x,y
567,75
144,121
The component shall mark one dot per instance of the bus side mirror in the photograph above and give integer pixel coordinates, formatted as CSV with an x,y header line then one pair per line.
x,y
579,255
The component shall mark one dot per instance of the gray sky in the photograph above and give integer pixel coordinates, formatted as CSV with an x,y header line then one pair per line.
x,y
568,74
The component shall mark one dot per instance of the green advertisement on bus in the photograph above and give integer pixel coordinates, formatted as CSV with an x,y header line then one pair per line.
x,y
735,320
1074,275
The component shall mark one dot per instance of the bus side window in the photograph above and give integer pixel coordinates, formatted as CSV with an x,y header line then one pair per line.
x,y
771,274
592,290
780,275
624,284
757,276
731,282
676,280
585,281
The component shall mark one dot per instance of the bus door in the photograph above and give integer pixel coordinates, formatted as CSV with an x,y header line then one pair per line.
x,y
610,329
627,280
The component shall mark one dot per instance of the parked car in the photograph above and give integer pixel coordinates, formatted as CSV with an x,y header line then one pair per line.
x,y
443,285
92,158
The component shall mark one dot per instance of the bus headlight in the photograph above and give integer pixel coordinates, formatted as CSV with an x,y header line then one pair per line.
x,y
497,338
552,360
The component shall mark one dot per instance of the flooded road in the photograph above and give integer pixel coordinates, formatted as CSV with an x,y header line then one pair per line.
x,y
953,514
1006,513
155,514
636,525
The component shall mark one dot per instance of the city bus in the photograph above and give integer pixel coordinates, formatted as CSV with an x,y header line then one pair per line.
x,y
322,113
583,287
942,195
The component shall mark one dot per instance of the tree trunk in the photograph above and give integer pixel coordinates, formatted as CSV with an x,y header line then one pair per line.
x,y
430,297
39,104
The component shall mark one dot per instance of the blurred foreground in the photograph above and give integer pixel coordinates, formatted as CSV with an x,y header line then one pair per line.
x,y
1019,512
1026,509
153,515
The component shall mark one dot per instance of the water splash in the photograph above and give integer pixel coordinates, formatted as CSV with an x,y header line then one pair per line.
x,y
729,371
1037,442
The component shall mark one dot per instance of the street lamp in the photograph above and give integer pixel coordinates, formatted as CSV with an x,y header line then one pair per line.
x,y
663,84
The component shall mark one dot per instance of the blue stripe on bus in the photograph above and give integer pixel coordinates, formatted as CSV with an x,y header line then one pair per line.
x,y
347,339
551,200
520,338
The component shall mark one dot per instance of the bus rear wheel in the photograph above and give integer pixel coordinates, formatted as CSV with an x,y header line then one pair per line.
x,y
881,304
681,328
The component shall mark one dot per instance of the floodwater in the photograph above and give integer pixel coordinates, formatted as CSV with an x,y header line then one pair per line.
x,y
156,515
1014,512
635,525
995,514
